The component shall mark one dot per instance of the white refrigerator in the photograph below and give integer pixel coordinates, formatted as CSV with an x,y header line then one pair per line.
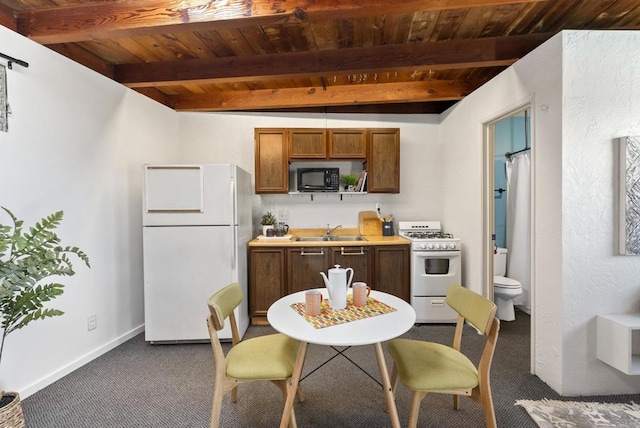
x,y
196,225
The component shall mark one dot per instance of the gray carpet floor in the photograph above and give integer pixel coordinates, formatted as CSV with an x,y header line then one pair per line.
x,y
143,385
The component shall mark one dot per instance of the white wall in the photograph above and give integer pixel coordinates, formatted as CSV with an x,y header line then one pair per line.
x,y
462,157
229,137
585,91
76,143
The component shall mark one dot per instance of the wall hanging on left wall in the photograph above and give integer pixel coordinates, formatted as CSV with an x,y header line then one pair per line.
x,y
4,105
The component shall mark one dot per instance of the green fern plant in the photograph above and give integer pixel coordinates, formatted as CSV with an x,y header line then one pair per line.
x,y
27,257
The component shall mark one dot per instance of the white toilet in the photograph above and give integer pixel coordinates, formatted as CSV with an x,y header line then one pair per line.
x,y
504,289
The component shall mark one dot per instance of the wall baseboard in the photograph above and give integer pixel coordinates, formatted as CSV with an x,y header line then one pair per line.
x,y
74,365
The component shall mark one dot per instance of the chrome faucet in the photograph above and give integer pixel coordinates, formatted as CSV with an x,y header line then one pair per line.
x,y
330,230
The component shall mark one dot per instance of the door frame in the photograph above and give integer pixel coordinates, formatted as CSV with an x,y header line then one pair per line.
x,y
488,209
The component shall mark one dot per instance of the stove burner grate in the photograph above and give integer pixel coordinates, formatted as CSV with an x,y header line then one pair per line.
x,y
427,235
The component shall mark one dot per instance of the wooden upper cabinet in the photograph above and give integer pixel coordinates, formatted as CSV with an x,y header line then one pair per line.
x,y
307,143
271,164
312,143
377,148
347,144
383,161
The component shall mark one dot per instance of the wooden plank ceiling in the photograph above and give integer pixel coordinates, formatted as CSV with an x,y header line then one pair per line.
x,y
386,56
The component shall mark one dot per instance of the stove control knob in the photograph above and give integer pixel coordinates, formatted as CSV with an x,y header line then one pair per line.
x,y
452,246
422,246
437,246
430,246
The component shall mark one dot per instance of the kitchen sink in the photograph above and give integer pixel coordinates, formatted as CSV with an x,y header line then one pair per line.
x,y
346,238
330,238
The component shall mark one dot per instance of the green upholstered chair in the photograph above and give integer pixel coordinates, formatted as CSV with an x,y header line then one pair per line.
x,y
432,367
271,357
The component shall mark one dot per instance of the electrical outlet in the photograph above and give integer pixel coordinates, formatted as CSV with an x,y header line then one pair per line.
x,y
92,322
283,215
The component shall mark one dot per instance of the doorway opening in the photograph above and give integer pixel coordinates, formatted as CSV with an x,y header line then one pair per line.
x,y
508,206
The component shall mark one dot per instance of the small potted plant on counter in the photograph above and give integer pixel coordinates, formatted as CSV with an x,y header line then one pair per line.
x,y
27,257
349,181
267,221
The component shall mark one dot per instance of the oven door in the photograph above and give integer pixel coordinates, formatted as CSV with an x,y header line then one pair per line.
x,y
435,271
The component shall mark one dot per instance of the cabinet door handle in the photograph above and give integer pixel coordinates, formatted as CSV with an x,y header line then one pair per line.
x,y
302,253
342,252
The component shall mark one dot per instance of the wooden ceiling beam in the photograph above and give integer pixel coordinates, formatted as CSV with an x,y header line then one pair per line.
x,y
130,18
434,90
82,56
431,107
450,54
158,96
8,18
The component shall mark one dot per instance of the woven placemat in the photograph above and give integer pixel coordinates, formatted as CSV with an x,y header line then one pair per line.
x,y
329,317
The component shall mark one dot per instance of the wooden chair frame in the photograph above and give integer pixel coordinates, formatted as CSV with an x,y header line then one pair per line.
x,y
224,383
481,393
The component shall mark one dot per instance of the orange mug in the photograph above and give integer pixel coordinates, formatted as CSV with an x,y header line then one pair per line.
x,y
360,293
312,303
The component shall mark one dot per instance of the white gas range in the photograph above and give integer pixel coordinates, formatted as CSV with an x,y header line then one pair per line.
x,y
435,265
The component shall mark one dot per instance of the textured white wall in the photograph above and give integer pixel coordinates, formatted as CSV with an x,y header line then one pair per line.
x,y
76,143
585,91
601,97
229,137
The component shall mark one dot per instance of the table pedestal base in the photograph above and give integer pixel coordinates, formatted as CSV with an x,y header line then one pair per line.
x,y
384,374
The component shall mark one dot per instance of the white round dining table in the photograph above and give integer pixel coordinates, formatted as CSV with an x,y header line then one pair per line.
x,y
373,330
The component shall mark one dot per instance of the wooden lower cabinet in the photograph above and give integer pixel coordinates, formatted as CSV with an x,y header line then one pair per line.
x,y
304,267
277,271
392,269
267,269
360,259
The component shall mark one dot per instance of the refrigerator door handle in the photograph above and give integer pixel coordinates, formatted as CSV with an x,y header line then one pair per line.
x,y
234,248
232,198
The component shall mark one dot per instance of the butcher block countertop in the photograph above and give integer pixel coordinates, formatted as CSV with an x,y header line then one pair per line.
x,y
368,239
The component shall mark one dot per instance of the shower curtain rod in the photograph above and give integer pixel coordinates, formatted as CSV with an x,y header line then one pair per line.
x,y
526,139
12,60
509,154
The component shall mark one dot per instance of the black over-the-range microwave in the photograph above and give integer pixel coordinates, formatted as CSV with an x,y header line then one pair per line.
x,y
318,179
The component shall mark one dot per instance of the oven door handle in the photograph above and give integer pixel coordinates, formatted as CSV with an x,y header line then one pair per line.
x,y
437,254
438,303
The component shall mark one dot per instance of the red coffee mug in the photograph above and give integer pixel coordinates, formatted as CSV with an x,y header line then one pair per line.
x,y
360,293
312,303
